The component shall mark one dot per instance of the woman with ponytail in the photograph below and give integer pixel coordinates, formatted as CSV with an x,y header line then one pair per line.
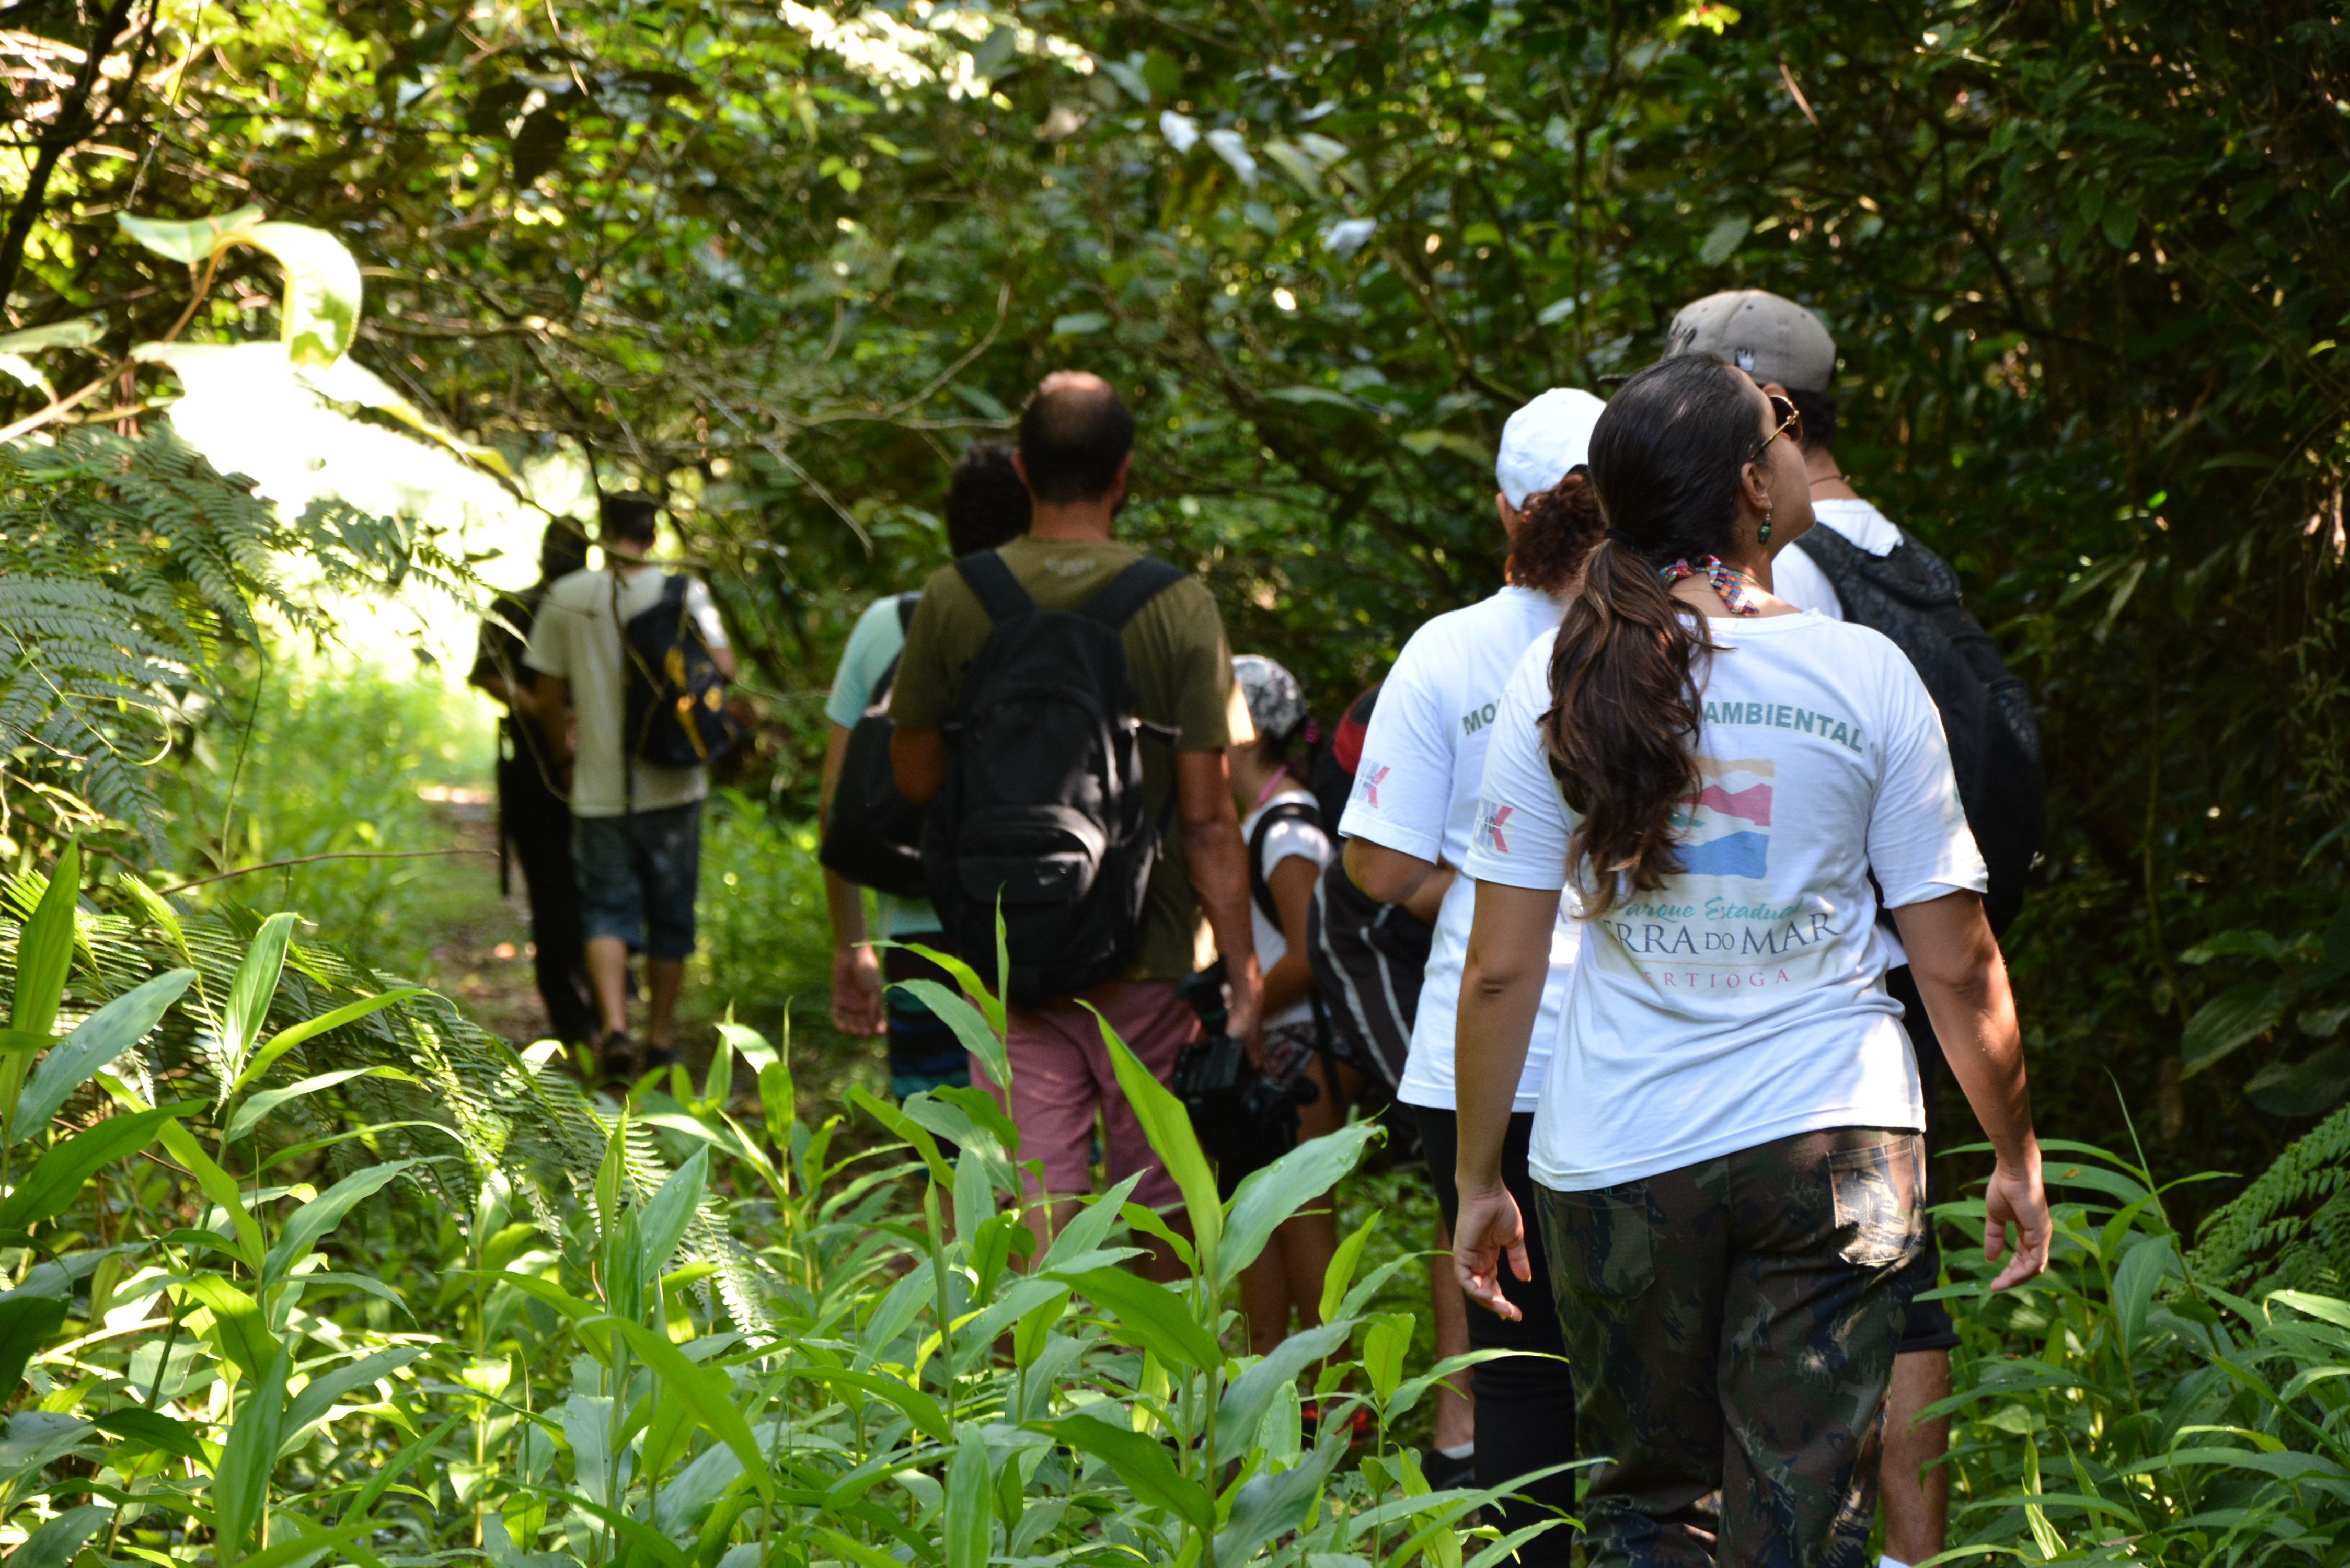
x,y
1725,1159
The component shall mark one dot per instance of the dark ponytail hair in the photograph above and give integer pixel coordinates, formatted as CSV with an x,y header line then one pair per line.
x,y
1666,460
1556,530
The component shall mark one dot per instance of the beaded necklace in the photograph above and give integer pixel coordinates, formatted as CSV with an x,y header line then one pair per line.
x,y
1724,582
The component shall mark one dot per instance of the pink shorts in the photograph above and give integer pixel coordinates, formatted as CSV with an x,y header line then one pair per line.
x,y
1061,1077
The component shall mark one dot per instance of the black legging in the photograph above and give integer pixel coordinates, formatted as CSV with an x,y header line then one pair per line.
x,y
1525,1404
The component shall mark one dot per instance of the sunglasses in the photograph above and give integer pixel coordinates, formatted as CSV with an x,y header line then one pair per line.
x,y
1791,424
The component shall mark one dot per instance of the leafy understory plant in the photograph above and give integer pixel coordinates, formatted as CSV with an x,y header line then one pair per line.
x,y
242,1343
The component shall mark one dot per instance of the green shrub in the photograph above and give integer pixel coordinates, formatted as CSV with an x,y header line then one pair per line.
x,y
2118,1408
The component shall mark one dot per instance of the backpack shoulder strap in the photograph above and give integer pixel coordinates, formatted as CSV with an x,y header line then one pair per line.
x,y
1260,888
998,591
1116,602
907,605
674,589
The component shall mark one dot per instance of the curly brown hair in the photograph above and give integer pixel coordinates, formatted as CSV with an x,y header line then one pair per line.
x,y
1557,528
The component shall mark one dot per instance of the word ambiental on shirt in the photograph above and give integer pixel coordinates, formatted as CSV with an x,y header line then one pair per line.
x,y
1785,716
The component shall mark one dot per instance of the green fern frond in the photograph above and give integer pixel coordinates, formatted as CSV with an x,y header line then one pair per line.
x,y
2290,1229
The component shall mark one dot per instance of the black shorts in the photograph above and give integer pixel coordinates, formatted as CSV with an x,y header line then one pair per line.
x,y
1926,1324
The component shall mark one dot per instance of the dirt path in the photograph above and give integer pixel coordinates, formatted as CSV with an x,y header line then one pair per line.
x,y
480,941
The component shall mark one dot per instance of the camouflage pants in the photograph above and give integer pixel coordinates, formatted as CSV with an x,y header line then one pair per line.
x,y
1731,1325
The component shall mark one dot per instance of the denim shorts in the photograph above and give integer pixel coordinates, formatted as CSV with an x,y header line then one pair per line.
x,y
638,875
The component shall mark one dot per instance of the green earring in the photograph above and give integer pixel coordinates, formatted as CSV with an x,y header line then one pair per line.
x,y
1762,534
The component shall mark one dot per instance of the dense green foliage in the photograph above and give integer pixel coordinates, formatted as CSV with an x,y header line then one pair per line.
x,y
2086,262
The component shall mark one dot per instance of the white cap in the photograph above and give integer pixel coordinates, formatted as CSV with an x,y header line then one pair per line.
x,y
1545,439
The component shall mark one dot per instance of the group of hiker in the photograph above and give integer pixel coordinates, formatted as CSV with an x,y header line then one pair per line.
x,y
1648,898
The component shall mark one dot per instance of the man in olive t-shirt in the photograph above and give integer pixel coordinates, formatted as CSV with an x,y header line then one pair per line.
x,y
1075,446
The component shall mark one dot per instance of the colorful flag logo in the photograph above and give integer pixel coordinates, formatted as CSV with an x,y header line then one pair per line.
x,y
1368,786
1725,826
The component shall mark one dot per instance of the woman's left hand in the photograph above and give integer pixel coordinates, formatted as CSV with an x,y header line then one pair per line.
x,y
1490,1228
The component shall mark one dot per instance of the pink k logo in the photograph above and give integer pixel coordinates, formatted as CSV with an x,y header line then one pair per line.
x,y
1501,844
1372,780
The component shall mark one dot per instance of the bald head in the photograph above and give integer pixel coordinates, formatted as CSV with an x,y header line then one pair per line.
x,y
1075,436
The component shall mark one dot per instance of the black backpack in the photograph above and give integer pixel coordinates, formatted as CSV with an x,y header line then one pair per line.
x,y
1912,597
674,696
873,837
1043,804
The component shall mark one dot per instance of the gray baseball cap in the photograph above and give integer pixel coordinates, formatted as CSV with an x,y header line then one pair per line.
x,y
1770,338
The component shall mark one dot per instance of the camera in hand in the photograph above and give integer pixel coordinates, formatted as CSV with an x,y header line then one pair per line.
x,y
1245,1121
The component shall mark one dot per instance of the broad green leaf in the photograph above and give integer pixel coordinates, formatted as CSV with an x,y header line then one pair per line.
x,y
1265,1197
311,1222
1268,1506
1142,1462
250,1114
244,1332
912,1403
56,1178
1343,1264
55,1543
987,1002
221,1187
311,1405
705,1390
26,1324
147,1428
1722,240
1247,1396
286,1039
2309,1087
249,995
321,311
970,1025
904,1127
2238,1015
193,241
1090,1228
1168,1126
610,1174
99,1039
967,1525
671,1211
1385,1342
1155,1318
241,1487
45,949
78,333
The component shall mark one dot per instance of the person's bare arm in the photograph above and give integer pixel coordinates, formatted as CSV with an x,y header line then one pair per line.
x,y
1387,875
1216,860
1291,980
856,973
918,761
1502,985
1394,877
724,658
1962,979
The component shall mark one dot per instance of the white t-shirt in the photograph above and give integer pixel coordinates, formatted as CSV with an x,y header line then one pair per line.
x,y
1745,1000
1416,791
1284,840
1797,579
576,637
